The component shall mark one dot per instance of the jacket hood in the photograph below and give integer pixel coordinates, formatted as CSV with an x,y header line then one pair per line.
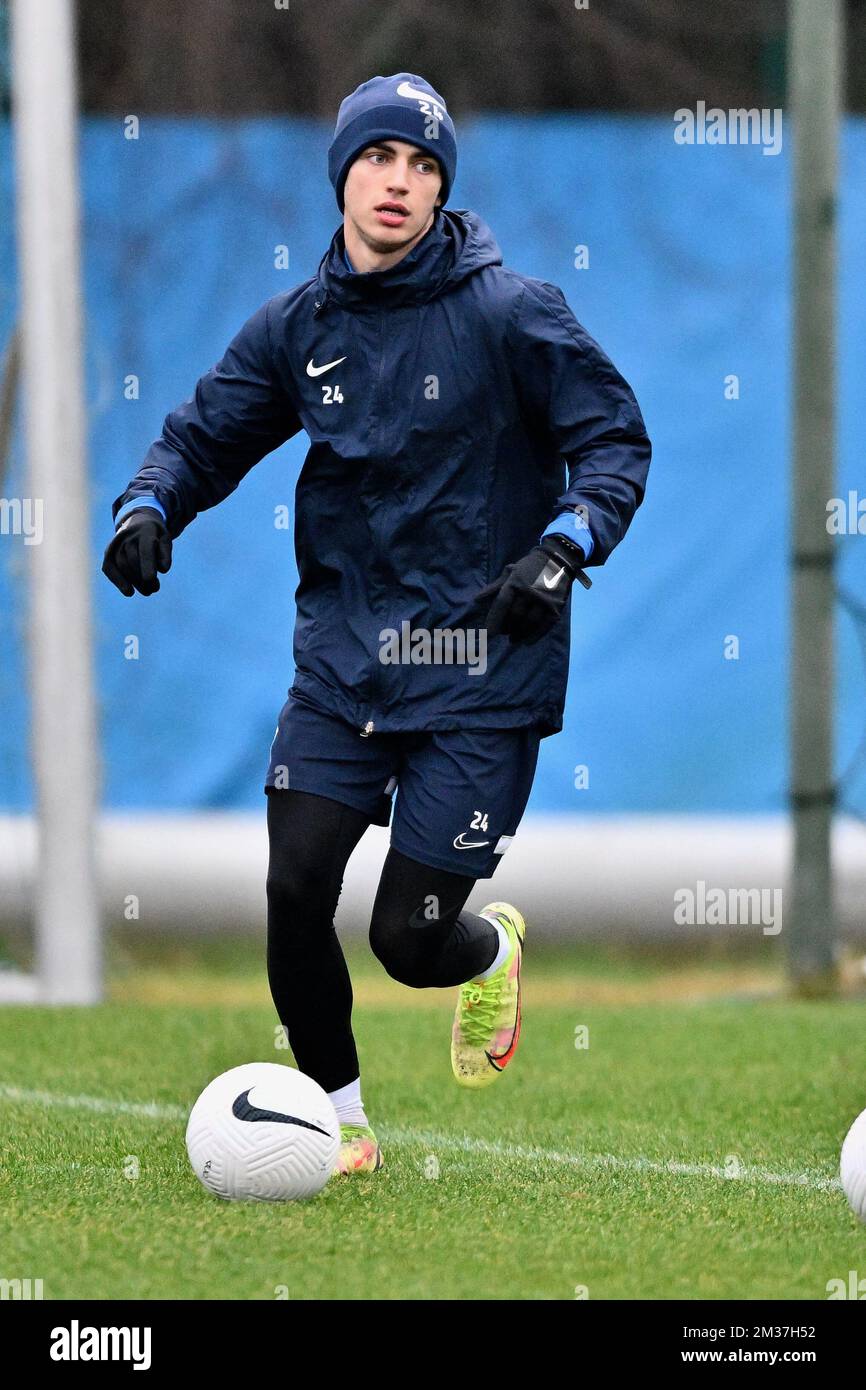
x,y
458,243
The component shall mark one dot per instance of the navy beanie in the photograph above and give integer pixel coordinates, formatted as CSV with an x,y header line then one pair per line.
x,y
404,107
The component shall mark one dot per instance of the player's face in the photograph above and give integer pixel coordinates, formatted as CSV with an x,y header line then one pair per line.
x,y
391,172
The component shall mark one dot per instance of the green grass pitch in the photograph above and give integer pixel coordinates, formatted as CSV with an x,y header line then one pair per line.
x,y
689,1151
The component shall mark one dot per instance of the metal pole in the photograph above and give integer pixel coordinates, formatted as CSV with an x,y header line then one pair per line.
x,y
815,97
62,724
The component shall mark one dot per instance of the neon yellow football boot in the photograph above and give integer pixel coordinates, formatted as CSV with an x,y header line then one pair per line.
x,y
359,1151
487,1020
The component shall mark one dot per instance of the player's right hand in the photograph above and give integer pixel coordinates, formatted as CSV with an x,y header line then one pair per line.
x,y
139,548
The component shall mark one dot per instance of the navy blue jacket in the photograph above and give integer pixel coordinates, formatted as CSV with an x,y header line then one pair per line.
x,y
466,410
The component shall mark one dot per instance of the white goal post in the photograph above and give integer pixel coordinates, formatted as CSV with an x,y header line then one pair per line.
x,y
63,735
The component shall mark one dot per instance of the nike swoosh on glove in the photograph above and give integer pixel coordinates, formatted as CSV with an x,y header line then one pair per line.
x,y
139,548
530,594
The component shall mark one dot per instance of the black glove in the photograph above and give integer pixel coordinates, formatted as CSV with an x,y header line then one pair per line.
x,y
530,594
140,546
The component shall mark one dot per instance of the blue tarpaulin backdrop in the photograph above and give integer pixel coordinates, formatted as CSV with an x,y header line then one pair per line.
x,y
688,283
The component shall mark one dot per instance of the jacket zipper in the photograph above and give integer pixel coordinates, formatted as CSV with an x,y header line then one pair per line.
x,y
370,724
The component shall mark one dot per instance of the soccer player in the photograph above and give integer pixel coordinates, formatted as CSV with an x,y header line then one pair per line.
x,y
471,450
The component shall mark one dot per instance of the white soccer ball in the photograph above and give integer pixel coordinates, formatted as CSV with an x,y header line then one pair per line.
x,y
263,1132
852,1166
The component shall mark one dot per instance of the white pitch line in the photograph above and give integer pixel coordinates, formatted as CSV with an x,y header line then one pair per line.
x,y
152,1110
814,1180
148,1110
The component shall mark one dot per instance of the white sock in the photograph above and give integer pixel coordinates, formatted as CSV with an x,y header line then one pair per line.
x,y
348,1104
501,954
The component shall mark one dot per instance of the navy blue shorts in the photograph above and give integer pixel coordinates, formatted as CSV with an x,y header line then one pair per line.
x,y
461,793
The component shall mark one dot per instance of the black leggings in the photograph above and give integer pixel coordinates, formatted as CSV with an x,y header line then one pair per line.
x,y
417,929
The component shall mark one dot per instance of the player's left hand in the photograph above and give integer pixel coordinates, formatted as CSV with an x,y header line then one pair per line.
x,y
530,594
